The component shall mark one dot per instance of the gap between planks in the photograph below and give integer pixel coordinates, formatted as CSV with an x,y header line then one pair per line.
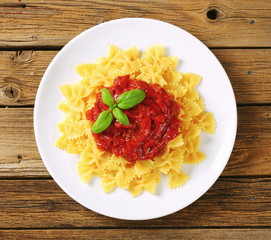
x,y
145,228
58,48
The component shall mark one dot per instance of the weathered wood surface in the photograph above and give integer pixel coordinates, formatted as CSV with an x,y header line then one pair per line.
x,y
20,158
138,234
231,202
19,155
53,23
20,75
248,69
238,206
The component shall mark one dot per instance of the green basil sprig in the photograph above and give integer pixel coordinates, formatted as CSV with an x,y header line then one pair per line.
x,y
107,97
121,116
125,101
130,98
103,122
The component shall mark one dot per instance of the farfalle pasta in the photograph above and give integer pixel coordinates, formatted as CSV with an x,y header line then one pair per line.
x,y
115,171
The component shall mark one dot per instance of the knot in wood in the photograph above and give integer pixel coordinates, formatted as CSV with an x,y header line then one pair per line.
x,y
23,57
213,13
12,93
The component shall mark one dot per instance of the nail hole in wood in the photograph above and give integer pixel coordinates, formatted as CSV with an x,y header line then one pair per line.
x,y
254,137
212,14
19,156
252,22
249,72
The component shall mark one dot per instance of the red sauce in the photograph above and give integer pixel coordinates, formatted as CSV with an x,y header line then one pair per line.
x,y
153,122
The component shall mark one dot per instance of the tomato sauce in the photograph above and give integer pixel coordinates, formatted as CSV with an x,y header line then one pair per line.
x,y
153,122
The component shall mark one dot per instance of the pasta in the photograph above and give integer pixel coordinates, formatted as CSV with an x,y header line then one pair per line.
x,y
152,67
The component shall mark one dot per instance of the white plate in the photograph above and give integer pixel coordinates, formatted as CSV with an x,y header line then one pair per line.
x,y
215,89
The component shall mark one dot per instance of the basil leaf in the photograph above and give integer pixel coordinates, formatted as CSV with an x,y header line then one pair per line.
x,y
107,97
103,122
121,116
130,98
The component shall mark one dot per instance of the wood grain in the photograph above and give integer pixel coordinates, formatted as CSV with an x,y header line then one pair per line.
x,y
19,155
249,72
53,23
20,75
138,234
248,69
32,206
20,158
244,202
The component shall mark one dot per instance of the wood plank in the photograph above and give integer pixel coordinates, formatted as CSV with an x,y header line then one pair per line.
x,y
20,158
54,23
248,69
19,155
252,153
231,202
20,75
135,234
249,72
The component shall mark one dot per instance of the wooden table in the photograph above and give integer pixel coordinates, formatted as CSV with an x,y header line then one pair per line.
x,y
238,206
